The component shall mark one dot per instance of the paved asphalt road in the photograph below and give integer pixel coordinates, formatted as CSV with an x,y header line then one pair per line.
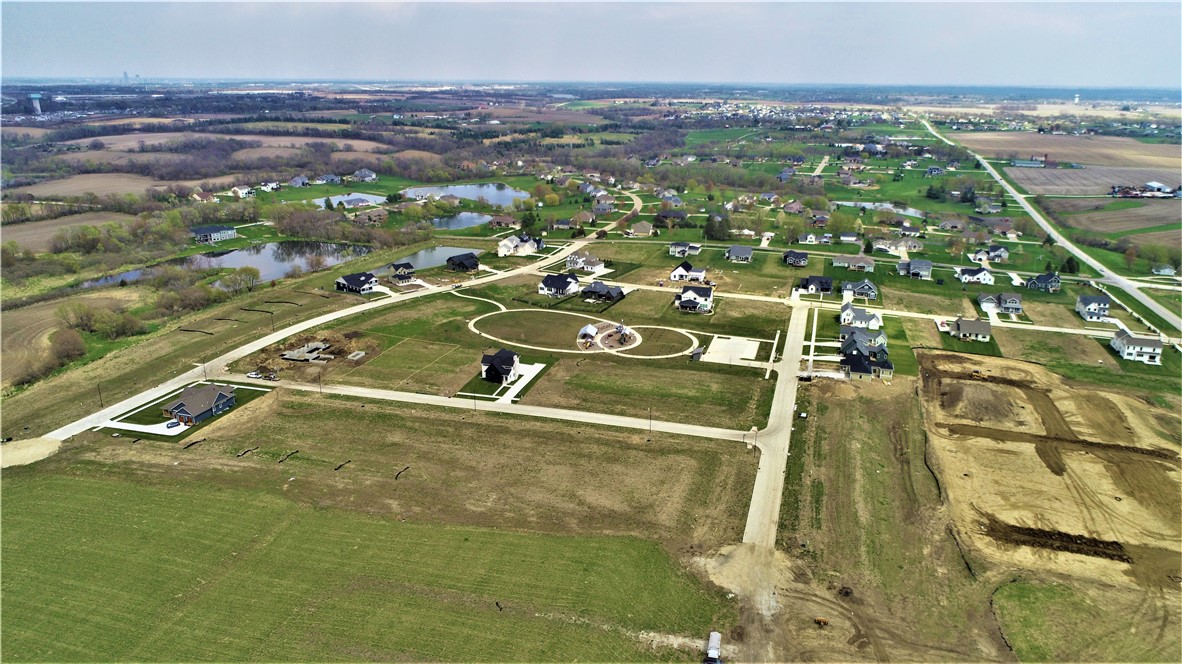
x,y
1108,275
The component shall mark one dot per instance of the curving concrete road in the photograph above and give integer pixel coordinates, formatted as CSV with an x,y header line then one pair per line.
x,y
1107,275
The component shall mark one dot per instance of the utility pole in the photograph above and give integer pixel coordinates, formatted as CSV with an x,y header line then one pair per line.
x,y
320,380
100,392
272,320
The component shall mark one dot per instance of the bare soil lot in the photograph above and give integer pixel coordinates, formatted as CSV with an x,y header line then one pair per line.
x,y
129,142
1090,181
117,157
1152,213
24,335
1091,493
98,183
36,235
1091,150
108,183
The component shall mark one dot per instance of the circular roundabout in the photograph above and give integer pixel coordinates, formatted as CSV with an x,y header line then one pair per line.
x,y
572,332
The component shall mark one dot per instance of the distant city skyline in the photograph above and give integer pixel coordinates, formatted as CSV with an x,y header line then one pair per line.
x,y
1086,45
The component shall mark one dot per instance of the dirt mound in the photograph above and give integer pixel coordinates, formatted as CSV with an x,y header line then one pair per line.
x,y
30,450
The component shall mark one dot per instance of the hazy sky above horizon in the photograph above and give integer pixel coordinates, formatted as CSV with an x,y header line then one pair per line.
x,y
961,43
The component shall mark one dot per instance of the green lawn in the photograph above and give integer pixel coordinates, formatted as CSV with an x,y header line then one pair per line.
x,y
152,414
101,568
899,347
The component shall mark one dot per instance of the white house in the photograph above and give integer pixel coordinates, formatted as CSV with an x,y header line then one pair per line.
x,y
559,285
1138,349
976,275
240,192
1093,308
695,298
852,316
687,272
517,246
583,260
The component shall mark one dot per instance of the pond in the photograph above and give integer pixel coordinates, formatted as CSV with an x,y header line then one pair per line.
x,y
909,211
461,220
274,260
495,193
373,199
435,256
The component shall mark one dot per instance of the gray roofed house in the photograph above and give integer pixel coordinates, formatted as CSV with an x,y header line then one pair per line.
x,y
642,229
298,181
1005,303
1093,308
852,316
683,249
738,253
916,268
200,402
858,263
864,288
970,330
365,175
1147,350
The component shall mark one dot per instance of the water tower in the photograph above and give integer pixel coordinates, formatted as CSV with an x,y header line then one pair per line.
x,y
36,99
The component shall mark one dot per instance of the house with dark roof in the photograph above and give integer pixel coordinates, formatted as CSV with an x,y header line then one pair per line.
x,y
683,249
1137,348
868,342
795,258
698,299
1005,303
198,403
970,330
687,272
559,285
502,367
402,273
1047,283
815,285
807,238
598,290
864,288
907,230
1093,308
674,216
786,174
360,282
503,221
860,367
328,178
212,234
463,262
738,253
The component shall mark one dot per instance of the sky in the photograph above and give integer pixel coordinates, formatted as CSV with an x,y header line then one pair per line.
x,y
1067,44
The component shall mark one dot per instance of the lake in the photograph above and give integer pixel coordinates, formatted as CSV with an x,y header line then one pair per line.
x,y
461,220
435,256
495,193
273,260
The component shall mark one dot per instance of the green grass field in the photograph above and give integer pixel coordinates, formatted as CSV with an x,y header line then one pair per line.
x,y
974,347
97,568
